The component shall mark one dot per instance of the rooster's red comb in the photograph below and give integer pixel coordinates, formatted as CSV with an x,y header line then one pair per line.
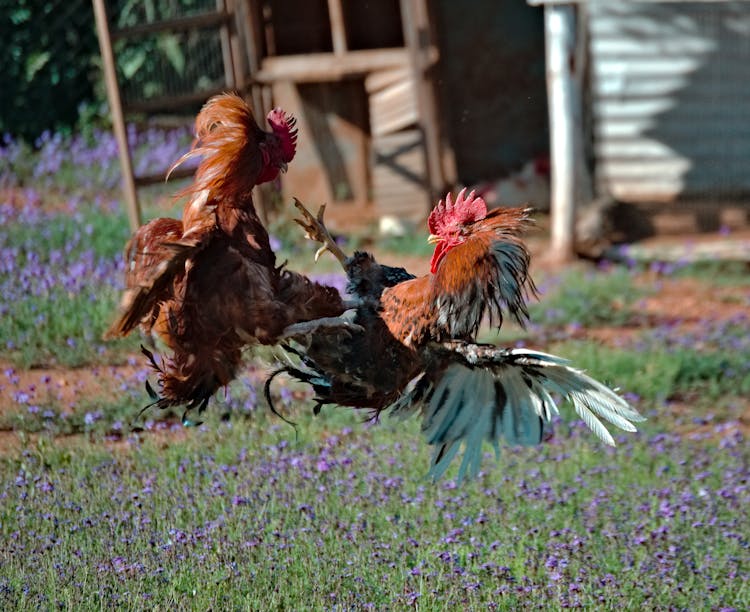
x,y
449,214
284,126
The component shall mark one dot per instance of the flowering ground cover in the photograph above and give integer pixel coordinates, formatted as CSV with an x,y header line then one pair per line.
x,y
101,506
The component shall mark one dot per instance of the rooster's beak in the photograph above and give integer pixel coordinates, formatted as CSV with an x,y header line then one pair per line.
x,y
283,167
433,239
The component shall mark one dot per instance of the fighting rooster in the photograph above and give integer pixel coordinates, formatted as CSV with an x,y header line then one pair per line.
x,y
414,350
209,285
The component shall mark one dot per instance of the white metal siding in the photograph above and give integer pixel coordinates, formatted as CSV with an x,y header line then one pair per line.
x,y
670,99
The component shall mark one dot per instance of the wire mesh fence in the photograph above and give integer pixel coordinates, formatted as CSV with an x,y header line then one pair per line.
x,y
160,58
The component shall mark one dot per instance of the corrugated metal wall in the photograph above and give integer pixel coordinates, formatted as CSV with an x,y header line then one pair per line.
x,y
670,99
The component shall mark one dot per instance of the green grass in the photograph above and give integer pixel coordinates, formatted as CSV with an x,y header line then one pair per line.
x,y
656,373
242,517
64,330
247,515
61,289
716,273
588,299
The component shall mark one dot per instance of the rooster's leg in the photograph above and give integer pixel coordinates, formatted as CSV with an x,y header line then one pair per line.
x,y
306,328
316,230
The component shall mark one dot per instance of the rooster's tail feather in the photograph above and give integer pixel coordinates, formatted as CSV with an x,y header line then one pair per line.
x,y
505,393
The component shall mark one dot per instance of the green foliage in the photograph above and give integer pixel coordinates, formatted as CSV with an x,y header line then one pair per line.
x,y
656,372
588,299
50,66
46,62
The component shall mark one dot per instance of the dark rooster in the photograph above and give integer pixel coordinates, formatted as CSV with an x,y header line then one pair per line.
x,y
209,285
416,349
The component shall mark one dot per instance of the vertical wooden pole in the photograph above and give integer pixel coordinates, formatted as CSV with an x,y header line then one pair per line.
x,y
252,21
417,38
559,25
338,27
118,120
252,14
239,63
226,49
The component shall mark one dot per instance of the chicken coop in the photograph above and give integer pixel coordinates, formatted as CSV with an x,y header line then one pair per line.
x,y
356,76
396,100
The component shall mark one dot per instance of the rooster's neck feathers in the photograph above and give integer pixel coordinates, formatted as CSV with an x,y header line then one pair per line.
x,y
236,154
486,273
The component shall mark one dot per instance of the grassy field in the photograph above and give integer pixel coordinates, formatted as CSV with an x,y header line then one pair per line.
x,y
105,508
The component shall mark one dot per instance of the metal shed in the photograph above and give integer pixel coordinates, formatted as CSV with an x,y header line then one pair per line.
x,y
662,89
669,92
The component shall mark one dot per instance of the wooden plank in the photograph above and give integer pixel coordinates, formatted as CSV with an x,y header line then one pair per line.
x,y
671,166
316,67
226,47
180,24
416,25
619,46
381,79
645,150
118,119
162,102
393,108
667,67
398,175
338,28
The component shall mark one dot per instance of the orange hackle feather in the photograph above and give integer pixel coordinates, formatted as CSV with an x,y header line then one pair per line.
x,y
486,272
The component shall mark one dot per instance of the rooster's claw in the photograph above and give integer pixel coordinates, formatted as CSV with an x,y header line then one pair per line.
x,y
316,230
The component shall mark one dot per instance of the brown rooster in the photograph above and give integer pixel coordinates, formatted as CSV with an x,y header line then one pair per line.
x,y
208,285
416,350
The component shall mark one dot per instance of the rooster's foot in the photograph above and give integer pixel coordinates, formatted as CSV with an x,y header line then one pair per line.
x,y
317,231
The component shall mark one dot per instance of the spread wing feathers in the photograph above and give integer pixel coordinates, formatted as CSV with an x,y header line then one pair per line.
x,y
150,286
485,393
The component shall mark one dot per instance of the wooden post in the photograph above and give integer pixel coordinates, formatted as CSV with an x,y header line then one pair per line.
x,y
559,26
416,36
118,120
226,48
338,27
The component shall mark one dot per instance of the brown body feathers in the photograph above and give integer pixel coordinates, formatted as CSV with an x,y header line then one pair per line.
x,y
209,285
